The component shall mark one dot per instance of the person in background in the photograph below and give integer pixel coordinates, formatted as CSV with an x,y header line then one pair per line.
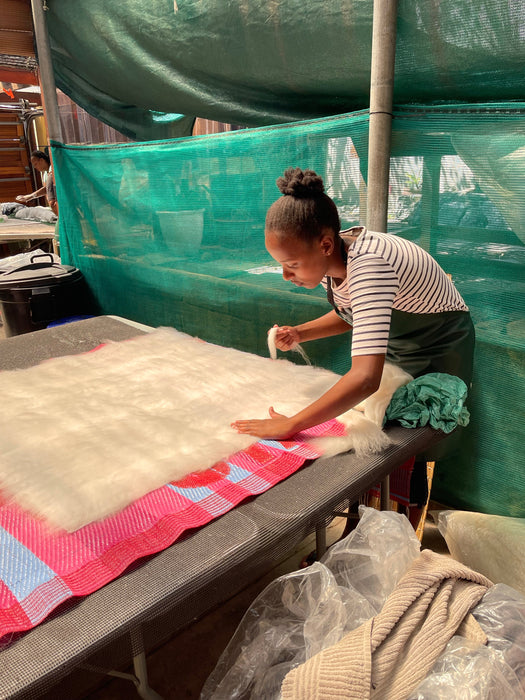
x,y
398,302
41,162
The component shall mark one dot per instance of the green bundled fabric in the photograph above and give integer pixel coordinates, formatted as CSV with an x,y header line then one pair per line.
x,y
132,63
172,233
435,399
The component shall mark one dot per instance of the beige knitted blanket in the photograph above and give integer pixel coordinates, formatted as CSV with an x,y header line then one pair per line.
x,y
390,654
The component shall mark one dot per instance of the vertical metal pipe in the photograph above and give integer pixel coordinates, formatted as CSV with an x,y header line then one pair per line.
x,y
320,540
381,99
384,496
384,29
47,78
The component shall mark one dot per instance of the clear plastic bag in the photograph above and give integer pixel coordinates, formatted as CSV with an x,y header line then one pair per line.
x,y
272,637
501,614
493,672
306,611
494,545
303,612
470,672
373,558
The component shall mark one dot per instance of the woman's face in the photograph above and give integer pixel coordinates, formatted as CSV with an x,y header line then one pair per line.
x,y
39,164
304,263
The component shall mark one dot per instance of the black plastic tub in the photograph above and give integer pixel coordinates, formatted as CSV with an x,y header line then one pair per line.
x,y
35,294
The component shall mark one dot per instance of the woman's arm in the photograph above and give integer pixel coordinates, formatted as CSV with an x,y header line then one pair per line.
x,y
34,195
323,327
356,385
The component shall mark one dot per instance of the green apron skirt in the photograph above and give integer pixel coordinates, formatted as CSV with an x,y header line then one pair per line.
x,y
424,343
441,342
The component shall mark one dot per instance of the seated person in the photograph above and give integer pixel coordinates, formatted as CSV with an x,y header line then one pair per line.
x,y
41,162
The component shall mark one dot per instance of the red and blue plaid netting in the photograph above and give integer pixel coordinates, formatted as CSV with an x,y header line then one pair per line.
x,y
41,568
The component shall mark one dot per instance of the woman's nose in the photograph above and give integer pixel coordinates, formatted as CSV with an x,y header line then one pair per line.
x,y
287,274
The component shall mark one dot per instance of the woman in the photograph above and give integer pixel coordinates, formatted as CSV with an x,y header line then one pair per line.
x,y
41,162
394,296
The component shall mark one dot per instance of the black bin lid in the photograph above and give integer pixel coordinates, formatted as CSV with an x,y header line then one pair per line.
x,y
39,273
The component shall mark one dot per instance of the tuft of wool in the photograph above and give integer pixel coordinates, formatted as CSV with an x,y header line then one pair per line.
x,y
273,348
363,423
85,435
374,407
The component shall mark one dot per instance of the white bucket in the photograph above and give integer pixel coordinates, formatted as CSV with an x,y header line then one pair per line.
x,y
182,230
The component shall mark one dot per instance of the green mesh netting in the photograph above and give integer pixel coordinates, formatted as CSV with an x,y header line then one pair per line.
x,y
254,62
171,233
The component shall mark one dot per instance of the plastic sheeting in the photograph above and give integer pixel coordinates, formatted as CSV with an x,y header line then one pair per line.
x,y
306,611
140,64
491,544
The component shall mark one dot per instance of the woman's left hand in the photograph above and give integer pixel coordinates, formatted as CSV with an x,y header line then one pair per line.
x,y
276,427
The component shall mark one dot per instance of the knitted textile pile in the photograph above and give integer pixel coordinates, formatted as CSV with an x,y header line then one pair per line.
x,y
391,653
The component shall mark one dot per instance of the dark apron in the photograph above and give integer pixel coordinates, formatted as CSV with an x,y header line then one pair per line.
x,y
424,343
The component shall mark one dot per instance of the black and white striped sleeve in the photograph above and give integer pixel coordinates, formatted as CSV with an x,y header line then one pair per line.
x,y
373,285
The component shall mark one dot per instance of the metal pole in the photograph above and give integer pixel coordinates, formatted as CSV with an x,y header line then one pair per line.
x,y
384,496
381,99
320,540
380,132
47,78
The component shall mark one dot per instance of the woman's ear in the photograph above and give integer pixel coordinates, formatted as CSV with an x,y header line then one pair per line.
x,y
326,244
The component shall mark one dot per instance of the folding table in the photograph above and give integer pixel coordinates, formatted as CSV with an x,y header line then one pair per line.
x,y
160,595
23,231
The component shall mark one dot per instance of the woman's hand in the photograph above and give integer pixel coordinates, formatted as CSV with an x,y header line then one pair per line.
x,y
286,337
276,427
24,198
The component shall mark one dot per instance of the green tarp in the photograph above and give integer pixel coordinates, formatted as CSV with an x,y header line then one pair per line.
x,y
139,64
170,232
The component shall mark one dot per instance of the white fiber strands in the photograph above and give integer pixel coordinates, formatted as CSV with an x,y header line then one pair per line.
x,y
364,422
83,436
271,342
273,348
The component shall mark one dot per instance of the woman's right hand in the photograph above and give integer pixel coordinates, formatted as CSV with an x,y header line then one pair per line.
x,y
286,337
24,197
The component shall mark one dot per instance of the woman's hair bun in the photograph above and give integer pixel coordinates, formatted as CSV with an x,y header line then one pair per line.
x,y
304,184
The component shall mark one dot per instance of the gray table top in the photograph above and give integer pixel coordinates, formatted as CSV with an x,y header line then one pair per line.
x,y
202,569
24,230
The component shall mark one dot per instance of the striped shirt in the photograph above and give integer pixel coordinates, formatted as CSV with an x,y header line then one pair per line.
x,y
385,272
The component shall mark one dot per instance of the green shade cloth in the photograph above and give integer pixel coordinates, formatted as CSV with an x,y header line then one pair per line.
x,y
434,399
254,62
172,233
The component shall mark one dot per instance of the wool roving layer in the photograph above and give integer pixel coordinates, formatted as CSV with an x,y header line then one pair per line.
x,y
83,436
86,435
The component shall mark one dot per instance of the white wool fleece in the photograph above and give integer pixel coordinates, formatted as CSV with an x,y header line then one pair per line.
x,y
83,436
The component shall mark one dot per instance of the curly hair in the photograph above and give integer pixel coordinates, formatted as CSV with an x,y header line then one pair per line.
x,y
305,209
